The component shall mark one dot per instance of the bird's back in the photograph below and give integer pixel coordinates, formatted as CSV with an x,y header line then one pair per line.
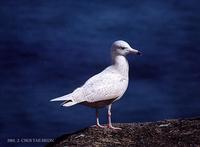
x,y
107,85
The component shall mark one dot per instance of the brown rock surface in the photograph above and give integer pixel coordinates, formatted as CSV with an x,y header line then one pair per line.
x,y
177,132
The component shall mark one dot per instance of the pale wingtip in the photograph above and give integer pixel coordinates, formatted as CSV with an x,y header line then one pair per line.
x,y
68,104
52,100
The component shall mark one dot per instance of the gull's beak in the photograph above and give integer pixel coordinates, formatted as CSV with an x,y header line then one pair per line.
x,y
134,51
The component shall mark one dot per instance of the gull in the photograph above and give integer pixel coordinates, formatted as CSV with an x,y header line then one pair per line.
x,y
106,87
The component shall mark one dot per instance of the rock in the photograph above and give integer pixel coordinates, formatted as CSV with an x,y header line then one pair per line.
x,y
177,132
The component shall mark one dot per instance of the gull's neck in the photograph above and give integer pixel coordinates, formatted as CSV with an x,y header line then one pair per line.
x,y
121,64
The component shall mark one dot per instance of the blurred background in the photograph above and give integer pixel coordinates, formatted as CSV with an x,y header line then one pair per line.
x,y
48,48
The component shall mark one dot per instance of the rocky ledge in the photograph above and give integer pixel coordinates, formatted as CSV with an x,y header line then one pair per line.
x,y
176,132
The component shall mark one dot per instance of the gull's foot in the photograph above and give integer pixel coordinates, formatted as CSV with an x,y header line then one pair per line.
x,y
99,126
114,128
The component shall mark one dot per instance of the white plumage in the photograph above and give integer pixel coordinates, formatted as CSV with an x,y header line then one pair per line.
x,y
106,87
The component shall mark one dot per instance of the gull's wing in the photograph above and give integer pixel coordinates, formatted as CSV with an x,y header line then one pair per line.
x,y
104,86
107,85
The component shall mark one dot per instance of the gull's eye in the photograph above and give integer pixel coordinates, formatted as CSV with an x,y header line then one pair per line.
x,y
123,48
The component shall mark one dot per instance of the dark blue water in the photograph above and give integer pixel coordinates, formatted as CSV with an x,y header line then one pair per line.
x,y
48,48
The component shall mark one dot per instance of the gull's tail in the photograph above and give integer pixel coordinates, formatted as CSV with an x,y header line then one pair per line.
x,y
68,100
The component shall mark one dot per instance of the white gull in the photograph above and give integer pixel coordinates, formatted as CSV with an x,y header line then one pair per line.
x,y
106,87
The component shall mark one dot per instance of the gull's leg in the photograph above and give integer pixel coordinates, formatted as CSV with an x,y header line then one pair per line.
x,y
109,119
97,120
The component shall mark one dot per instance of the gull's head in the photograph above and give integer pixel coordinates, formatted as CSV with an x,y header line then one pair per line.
x,y
121,47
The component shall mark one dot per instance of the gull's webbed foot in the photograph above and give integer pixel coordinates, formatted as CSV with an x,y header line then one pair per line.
x,y
112,127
